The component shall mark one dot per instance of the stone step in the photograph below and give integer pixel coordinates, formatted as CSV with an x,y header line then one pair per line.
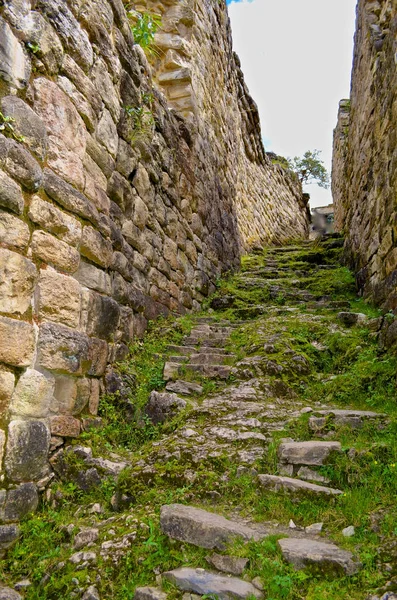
x,y
288,484
204,582
352,418
178,359
304,552
210,342
312,453
185,350
202,528
186,388
210,358
173,370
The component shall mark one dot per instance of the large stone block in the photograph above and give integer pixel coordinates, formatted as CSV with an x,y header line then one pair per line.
x,y
54,252
64,350
83,107
39,32
10,192
9,534
7,384
21,165
101,316
107,133
17,279
65,195
27,124
93,278
69,30
96,248
17,342
20,502
50,218
14,62
27,450
99,353
13,231
58,298
65,426
33,394
66,131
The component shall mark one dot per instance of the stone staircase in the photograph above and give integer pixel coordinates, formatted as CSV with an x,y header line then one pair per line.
x,y
253,398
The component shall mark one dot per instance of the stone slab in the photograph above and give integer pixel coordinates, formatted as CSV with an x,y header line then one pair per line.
x,y
201,528
203,582
302,552
307,453
288,484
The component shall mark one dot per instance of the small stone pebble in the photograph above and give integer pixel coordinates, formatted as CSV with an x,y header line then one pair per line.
x,y
315,528
348,531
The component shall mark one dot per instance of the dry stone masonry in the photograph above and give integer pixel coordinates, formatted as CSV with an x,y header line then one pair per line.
x,y
107,222
364,164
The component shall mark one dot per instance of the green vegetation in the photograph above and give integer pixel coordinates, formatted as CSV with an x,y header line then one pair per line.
x,y
337,366
144,27
7,128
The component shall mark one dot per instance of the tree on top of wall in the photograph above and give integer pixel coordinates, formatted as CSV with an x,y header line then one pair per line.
x,y
310,169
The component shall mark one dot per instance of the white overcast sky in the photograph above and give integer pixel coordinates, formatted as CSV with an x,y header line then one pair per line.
x,y
296,56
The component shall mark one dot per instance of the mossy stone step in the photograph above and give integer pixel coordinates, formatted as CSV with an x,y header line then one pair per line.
x,y
202,528
312,453
276,483
222,587
328,557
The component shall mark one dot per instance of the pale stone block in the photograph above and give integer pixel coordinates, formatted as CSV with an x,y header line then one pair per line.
x,y
141,213
17,342
7,384
96,248
27,124
33,395
17,279
13,231
65,394
94,397
15,64
27,450
83,107
50,218
58,298
107,133
55,252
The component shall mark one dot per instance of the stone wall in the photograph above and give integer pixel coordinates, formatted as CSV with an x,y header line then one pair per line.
x,y
364,175
118,203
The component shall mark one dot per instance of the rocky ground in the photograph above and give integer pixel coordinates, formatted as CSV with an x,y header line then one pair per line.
x,y
247,452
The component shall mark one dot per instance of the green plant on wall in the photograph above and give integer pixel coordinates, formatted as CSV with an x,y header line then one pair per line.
x,y
142,118
7,128
144,27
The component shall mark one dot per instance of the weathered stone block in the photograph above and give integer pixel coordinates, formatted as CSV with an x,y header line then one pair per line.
x,y
99,352
66,130
15,64
38,31
163,406
93,278
93,403
10,192
17,277
102,315
65,426
27,450
96,248
58,298
141,213
50,218
27,124
64,350
33,395
83,107
68,28
65,195
21,165
13,231
7,383
8,536
107,133
21,502
52,251
16,342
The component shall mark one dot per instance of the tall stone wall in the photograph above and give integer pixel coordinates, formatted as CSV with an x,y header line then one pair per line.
x,y
118,203
364,175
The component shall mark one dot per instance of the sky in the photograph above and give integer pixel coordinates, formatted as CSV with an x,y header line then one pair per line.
x,y
297,57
